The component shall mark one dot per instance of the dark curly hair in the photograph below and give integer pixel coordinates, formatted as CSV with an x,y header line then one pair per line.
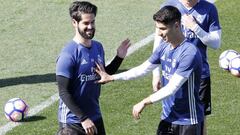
x,y
77,8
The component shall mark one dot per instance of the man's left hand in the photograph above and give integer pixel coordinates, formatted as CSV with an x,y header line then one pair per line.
x,y
122,49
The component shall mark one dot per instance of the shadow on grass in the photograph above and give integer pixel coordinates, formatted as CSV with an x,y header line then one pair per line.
x,y
32,79
33,118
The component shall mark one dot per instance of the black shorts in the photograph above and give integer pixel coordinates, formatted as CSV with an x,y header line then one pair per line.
x,y
77,129
166,128
205,95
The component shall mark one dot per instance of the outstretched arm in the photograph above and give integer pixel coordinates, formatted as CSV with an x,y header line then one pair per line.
x,y
128,75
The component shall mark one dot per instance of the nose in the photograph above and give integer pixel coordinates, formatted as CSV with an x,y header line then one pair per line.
x,y
90,26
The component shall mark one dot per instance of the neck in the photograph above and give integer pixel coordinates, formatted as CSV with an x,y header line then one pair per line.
x,y
178,40
189,4
80,40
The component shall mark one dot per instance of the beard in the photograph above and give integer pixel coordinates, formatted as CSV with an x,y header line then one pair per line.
x,y
85,35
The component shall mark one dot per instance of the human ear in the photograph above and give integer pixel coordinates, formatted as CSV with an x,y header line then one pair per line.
x,y
177,24
74,22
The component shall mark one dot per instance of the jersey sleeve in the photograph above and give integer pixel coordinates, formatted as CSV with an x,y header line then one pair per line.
x,y
64,65
155,57
214,20
187,63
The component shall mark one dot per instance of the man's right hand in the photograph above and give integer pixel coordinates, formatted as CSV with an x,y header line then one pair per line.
x,y
105,78
89,127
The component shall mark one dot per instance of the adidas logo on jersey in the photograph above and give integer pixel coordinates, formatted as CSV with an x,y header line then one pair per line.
x,y
84,62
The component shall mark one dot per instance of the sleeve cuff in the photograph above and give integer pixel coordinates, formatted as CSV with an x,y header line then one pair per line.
x,y
118,58
83,118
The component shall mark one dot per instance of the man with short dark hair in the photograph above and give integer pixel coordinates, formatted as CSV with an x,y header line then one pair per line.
x,y
79,94
181,63
201,26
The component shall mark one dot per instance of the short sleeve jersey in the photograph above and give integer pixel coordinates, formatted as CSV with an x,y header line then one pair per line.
x,y
77,63
183,107
206,15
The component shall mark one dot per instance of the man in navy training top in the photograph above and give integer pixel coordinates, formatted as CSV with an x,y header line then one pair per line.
x,y
79,94
200,24
181,63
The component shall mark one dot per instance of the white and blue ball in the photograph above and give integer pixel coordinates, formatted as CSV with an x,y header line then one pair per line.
x,y
234,66
16,109
226,57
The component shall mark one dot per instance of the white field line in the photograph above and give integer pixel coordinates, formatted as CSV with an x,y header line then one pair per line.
x,y
10,125
33,111
140,44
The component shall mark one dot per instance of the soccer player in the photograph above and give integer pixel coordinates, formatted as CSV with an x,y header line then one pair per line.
x,y
79,94
201,26
182,110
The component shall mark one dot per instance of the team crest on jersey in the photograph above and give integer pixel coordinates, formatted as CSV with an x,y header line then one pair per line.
x,y
200,18
174,63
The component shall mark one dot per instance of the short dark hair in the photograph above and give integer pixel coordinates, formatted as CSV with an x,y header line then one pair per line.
x,y
77,8
167,15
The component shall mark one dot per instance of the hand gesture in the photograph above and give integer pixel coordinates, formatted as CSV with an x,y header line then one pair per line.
x,y
122,49
137,109
105,78
89,127
189,22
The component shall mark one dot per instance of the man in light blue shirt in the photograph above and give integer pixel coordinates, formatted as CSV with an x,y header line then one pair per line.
x,y
200,25
181,63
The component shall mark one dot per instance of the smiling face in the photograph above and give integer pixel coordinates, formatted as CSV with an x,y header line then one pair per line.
x,y
83,15
86,26
167,32
168,25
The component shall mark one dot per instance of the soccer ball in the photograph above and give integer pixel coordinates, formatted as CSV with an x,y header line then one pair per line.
x,y
15,109
234,66
225,58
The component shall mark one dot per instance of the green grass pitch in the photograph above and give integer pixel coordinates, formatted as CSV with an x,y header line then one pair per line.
x,y
33,33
